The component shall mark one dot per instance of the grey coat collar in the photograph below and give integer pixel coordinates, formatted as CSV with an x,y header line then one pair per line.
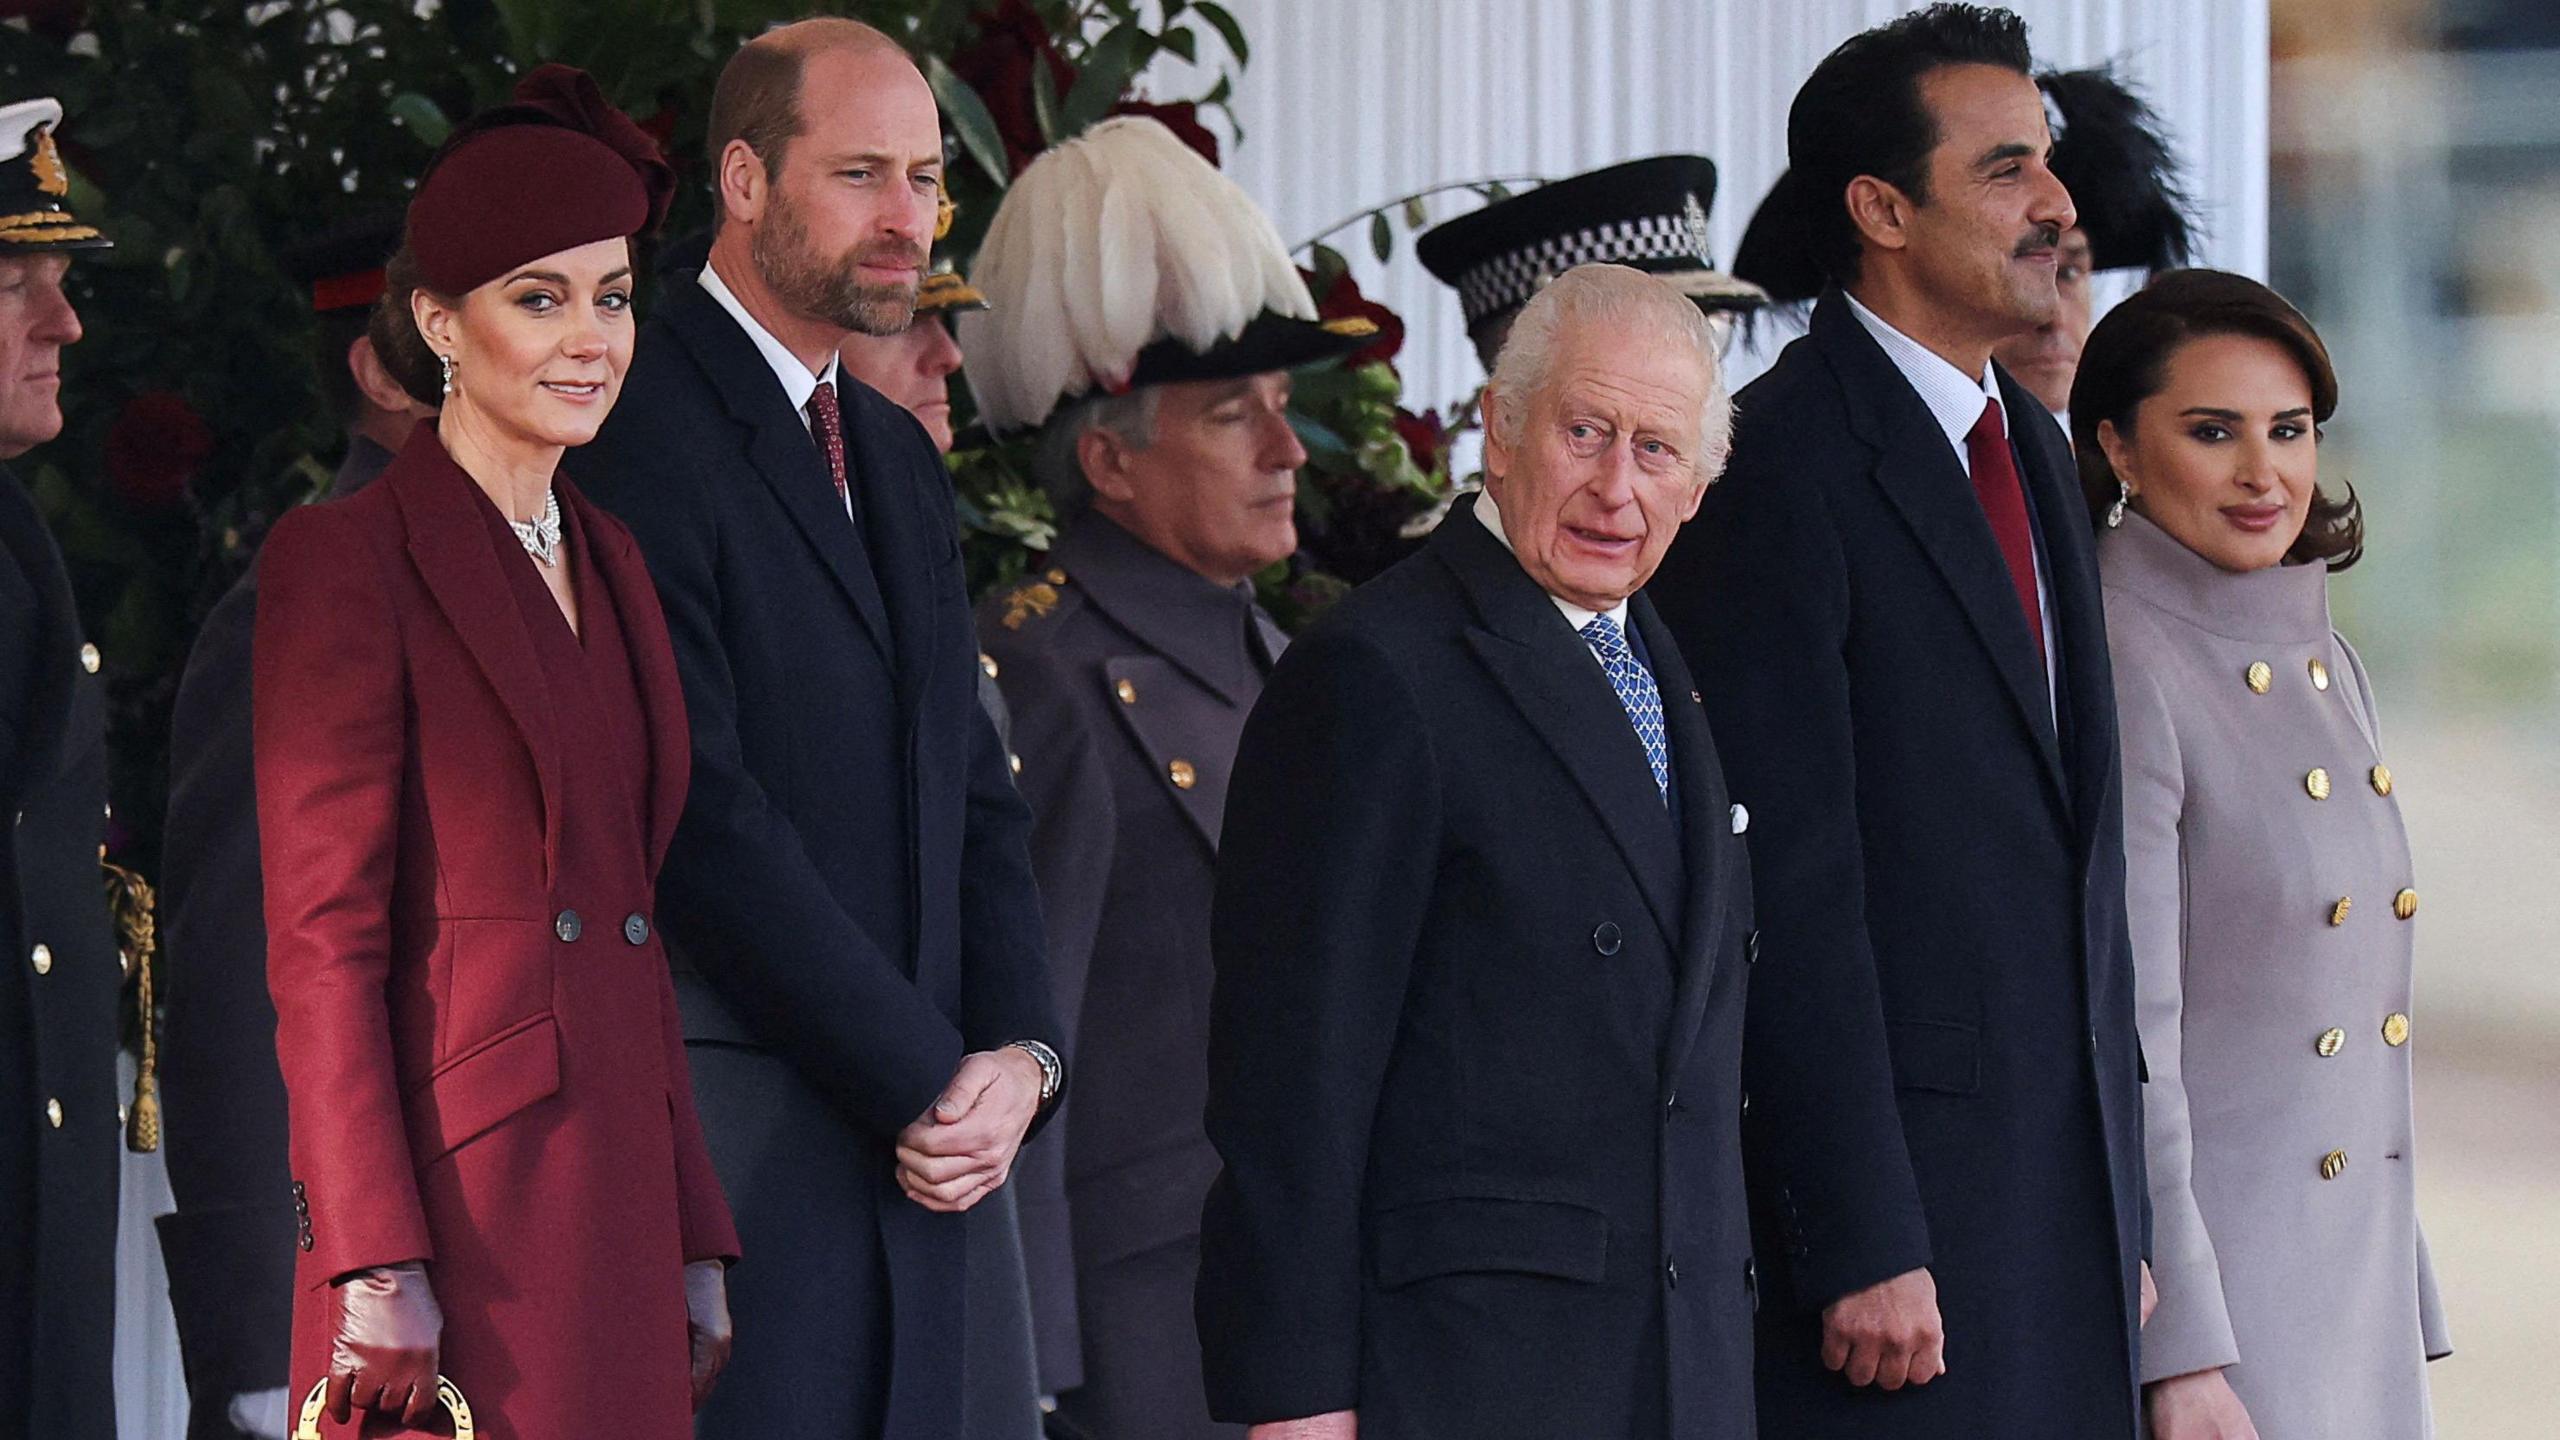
x,y
1193,621
2280,604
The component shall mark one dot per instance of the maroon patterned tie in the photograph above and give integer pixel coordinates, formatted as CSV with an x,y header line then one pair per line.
x,y
826,423
2004,504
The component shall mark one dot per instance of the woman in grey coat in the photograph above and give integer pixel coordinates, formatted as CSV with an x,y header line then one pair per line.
x,y
2269,882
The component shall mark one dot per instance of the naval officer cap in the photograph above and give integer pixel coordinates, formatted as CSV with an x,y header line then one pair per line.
x,y
34,186
1648,214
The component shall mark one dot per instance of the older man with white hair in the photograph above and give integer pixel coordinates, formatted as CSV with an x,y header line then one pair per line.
x,y
1482,924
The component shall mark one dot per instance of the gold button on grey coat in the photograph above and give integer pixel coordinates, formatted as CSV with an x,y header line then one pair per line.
x,y
2285,1231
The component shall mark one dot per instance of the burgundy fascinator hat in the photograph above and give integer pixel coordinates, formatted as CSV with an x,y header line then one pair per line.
x,y
554,168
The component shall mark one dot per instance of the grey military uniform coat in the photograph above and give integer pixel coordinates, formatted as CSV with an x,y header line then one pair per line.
x,y
1129,678
2272,907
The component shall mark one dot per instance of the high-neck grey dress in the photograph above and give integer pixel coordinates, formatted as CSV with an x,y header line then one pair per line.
x,y
2273,905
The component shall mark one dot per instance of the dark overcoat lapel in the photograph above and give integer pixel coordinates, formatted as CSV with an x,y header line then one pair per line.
x,y
1549,674
778,446
2087,691
1927,487
905,541
1705,830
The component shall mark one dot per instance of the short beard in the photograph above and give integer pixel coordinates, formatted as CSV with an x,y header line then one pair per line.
x,y
833,294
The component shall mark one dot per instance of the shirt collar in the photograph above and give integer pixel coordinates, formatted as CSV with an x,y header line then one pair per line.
x,y
1954,400
797,381
1574,615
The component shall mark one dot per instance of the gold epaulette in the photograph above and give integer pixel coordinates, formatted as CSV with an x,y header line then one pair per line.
x,y
1033,599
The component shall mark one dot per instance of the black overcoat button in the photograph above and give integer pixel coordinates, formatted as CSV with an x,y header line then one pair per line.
x,y
1606,939
635,928
569,926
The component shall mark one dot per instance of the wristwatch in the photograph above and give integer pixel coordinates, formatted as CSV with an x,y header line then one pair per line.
x,y
1052,1073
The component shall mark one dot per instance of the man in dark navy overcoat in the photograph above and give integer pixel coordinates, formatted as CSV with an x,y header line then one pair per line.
x,y
1893,606
60,974
856,933
1482,931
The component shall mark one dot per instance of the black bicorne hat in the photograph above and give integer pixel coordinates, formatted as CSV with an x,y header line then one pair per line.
x,y
2109,153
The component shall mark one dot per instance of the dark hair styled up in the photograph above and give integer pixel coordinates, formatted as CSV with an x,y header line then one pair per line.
x,y
393,328
2127,362
1860,113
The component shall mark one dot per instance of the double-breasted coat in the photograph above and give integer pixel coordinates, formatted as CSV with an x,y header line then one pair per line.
x,y
850,894
460,831
1941,1056
1474,1057
2273,907
1131,677
58,1124
229,1242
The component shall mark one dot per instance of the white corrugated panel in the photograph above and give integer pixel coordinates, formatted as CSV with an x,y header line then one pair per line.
x,y
1350,103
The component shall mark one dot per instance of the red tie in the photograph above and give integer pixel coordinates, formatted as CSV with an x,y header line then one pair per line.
x,y
826,423
2004,504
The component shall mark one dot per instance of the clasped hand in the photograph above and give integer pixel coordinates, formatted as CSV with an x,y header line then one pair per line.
x,y
958,1152
1890,1334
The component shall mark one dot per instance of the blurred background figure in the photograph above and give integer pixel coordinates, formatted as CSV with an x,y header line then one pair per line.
x,y
229,1244
2272,908
2110,153
59,1122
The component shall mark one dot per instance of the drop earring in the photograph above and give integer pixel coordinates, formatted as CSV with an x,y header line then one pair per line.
x,y
2115,512
447,362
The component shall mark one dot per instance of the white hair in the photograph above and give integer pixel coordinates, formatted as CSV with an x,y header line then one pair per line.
x,y
1631,308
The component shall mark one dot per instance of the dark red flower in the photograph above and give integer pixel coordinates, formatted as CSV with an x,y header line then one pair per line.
x,y
1182,119
998,64
153,449
1343,300
1425,438
661,127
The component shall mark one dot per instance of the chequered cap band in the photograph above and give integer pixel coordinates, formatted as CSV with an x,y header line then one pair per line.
x,y
1506,281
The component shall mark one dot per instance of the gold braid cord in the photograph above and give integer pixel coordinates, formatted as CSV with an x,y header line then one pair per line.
x,y
130,899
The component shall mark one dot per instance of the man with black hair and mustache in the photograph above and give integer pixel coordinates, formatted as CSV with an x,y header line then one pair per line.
x,y
848,901
1892,606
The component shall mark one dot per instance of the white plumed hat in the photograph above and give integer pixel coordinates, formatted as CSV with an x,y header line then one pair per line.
x,y
1121,258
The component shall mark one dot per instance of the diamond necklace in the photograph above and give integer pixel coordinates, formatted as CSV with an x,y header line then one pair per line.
x,y
542,537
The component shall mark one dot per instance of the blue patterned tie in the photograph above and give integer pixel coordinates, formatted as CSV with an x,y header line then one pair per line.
x,y
1636,692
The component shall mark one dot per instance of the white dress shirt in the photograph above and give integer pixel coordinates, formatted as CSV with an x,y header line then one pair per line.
x,y
1955,402
1574,615
798,383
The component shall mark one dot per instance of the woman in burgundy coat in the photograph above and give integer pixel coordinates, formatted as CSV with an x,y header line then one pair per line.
x,y
471,750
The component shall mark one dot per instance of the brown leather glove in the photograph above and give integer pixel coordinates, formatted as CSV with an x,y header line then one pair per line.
x,y
385,1353
706,1323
